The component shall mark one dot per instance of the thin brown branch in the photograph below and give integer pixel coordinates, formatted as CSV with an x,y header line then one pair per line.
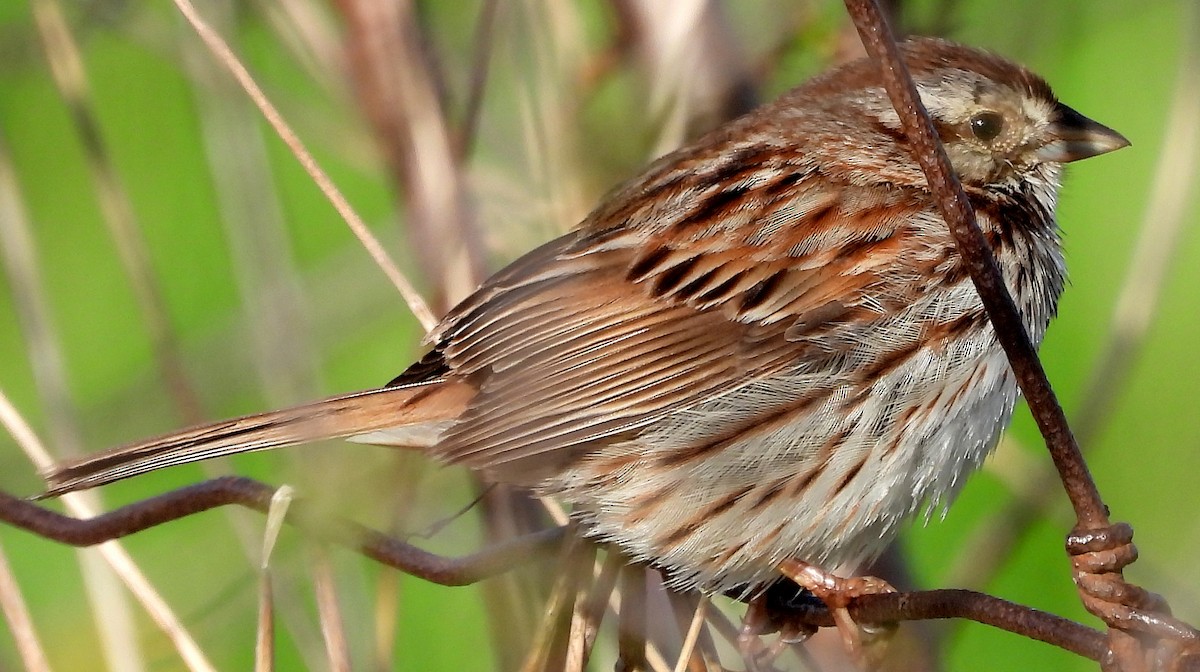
x,y
937,604
1155,253
112,614
971,605
977,257
1119,605
252,494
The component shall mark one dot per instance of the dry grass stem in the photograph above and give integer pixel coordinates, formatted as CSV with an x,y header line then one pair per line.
x,y
631,628
269,285
693,635
549,108
485,32
311,36
109,604
1123,607
387,612
19,257
333,628
559,610
225,55
692,72
264,640
400,88
598,599
112,552
1172,186
33,655
70,78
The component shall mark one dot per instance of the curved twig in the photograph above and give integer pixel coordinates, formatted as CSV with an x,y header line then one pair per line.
x,y
1114,605
956,603
132,518
977,258
255,495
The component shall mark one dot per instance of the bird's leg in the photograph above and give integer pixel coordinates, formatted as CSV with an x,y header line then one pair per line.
x,y
762,618
755,624
837,593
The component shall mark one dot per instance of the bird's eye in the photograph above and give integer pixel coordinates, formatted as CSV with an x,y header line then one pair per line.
x,y
987,125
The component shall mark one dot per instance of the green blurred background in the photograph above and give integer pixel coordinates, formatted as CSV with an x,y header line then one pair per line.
x,y
295,309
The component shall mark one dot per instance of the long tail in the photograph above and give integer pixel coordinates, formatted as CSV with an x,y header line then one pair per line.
x,y
373,416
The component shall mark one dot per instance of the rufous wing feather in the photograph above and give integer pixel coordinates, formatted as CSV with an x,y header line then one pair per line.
x,y
372,416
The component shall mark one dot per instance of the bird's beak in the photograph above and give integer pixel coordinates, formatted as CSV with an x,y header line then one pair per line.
x,y
1074,137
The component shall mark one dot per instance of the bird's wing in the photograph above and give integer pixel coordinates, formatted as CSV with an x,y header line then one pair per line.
x,y
597,334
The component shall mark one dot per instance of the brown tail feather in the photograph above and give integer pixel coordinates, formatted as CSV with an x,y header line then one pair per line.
x,y
344,416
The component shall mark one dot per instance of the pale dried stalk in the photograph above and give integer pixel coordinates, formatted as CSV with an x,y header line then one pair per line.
x,y
225,55
264,643
264,639
675,63
399,86
19,623
1163,222
332,625
312,39
116,208
604,580
693,635
273,306
563,597
112,552
551,129
260,251
583,627
110,607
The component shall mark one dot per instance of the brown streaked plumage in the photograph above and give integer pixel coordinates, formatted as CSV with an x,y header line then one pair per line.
x,y
763,348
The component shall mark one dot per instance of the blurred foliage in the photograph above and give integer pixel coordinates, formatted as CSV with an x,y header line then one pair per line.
x,y
1112,59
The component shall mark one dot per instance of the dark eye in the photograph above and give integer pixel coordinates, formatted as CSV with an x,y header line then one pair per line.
x,y
987,125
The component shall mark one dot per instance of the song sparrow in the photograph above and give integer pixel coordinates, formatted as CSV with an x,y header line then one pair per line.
x,y
762,348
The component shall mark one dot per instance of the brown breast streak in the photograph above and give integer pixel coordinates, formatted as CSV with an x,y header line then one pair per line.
x,y
890,361
693,523
759,425
850,474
